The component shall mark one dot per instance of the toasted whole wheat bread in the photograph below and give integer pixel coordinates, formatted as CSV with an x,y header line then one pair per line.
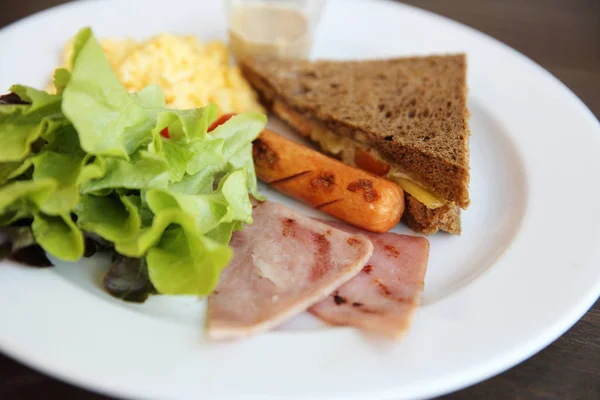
x,y
413,111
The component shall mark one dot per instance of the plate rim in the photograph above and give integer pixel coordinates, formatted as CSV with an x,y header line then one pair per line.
x,y
559,327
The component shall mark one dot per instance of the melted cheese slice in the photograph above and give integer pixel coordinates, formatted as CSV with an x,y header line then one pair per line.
x,y
429,199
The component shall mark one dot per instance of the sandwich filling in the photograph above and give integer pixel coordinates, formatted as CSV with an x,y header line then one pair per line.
x,y
357,154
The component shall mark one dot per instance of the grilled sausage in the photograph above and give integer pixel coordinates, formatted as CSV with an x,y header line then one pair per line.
x,y
350,194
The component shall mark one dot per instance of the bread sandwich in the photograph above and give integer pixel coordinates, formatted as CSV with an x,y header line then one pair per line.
x,y
405,119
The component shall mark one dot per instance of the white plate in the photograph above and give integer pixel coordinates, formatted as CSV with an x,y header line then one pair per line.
x,y
522,273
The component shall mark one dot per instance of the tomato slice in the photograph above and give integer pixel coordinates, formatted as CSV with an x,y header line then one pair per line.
x,y
220,121
165,133
364,160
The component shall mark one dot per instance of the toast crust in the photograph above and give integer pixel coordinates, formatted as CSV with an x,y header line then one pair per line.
x,y
426,221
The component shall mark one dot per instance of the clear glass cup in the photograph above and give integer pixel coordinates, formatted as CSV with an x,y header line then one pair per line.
x,y
282,28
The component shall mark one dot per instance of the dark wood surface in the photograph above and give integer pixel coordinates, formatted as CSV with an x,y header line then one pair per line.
x,y
561,35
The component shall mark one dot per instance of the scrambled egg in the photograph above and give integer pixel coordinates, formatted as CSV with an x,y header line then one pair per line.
x,y
190,73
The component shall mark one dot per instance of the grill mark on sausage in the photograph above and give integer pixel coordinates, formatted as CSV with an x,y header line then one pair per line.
x,y
263,154
366,186
328,203
325,180
288,178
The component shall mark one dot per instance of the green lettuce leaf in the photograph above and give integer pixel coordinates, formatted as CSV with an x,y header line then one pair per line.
x,y
148,236
144,170
38,99
240,130
11,170
229,147
146,215
177,155
235,194
79,41
186,127
58,235
60,79
114,218
229,203
199,183
203,210
206,153
109,121
22,124
186,124
11,216
226,141
222,233
150,97
63,169
185,262
25,195
93,168
243,159
63,140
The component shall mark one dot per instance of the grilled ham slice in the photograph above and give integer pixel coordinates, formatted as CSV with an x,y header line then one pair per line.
x,y
382,298
283,263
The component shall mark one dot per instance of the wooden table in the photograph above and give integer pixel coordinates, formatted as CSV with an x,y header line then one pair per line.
x,y
561,35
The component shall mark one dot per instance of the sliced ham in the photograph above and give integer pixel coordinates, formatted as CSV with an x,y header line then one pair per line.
x,y
384,295
283,263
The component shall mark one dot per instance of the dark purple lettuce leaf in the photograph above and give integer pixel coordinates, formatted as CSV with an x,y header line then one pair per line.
x,y
127,279
11,98
17,243
94,244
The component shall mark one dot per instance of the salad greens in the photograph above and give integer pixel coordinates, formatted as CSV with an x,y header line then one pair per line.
x,y
127,278
89,164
